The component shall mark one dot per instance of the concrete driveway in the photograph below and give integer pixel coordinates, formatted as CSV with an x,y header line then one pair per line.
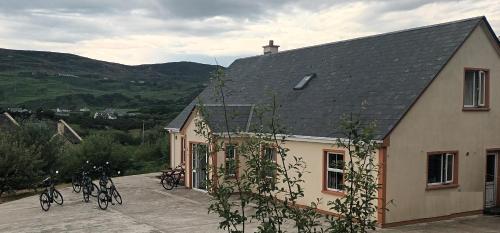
x,y
149,208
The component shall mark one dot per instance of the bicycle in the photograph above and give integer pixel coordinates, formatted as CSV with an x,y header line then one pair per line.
x,y
50,194
77,179
172,178
76,182
106,194
89,188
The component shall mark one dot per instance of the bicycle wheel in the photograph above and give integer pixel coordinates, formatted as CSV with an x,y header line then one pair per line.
x,y
168,183
94,190
86,194
45,201
76,184
102,200
116,195
58,198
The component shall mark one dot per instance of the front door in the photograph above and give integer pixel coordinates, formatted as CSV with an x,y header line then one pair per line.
x,y
490,191
199,166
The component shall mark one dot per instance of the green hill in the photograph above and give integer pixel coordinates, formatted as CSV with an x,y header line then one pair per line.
x,y
35,79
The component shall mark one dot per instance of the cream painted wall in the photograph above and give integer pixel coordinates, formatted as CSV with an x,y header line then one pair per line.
x,y
311,152
175,149
437,123
313,155
191,137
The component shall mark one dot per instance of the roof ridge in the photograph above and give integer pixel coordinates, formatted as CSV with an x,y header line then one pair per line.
x,y
370,36
71,129
6,114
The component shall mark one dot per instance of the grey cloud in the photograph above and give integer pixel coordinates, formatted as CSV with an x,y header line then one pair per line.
x,y
406,5
188,9
71,21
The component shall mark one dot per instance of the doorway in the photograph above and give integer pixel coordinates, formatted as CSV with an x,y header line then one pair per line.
x,y
199,162
490,190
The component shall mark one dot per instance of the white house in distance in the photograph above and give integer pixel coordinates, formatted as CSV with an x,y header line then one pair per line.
x,y
432,92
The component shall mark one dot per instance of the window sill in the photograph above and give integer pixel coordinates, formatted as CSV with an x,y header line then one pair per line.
x,y
334,193
475,109
441,186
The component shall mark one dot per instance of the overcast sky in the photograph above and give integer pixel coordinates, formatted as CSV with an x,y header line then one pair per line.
x,y
155,31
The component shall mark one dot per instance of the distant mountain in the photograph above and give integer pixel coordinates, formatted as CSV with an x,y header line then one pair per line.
x,y
35,79
65,63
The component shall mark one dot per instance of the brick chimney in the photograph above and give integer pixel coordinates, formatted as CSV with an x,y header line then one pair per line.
x,y
271,48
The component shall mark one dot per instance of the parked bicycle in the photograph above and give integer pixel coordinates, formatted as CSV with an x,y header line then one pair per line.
x,y
108,191
77,179
50,194
172,178
89,188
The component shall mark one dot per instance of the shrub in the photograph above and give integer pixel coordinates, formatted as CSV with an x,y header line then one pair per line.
x,y
21,162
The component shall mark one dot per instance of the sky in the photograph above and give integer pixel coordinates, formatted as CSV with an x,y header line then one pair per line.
x,y
213,31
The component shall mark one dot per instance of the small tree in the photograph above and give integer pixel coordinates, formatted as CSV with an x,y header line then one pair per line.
x,y
42,140
275,188
99,149
357,207
20,163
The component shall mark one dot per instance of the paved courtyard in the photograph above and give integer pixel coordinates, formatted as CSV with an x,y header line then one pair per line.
x,y
149,208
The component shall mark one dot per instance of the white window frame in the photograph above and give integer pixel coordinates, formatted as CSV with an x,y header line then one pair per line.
x,y
329,169
482,88
444,169
478,100
274,158
226,159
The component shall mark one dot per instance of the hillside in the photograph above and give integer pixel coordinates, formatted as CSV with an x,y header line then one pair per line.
x,y
36,79
64,63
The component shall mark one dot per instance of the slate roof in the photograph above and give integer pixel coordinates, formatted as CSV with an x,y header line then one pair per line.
x,y
239,117
377,77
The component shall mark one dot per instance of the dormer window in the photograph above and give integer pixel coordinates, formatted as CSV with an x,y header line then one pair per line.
x,y
476,89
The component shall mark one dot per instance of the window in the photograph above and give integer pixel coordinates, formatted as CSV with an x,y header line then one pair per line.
x,y
304,81
231,170
476,88
442,168
183,149
334,171
270,155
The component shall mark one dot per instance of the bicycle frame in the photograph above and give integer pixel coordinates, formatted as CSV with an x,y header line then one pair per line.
x,y
47,197
50,191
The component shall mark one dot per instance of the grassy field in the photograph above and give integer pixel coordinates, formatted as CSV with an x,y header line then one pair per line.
x,y
53,92
35,79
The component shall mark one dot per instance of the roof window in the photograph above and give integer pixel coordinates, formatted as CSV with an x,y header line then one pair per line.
x,y
304,81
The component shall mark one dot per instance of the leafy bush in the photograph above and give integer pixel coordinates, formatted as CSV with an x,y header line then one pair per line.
x,y
41,138
114,147
99,149
33,151
26,155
